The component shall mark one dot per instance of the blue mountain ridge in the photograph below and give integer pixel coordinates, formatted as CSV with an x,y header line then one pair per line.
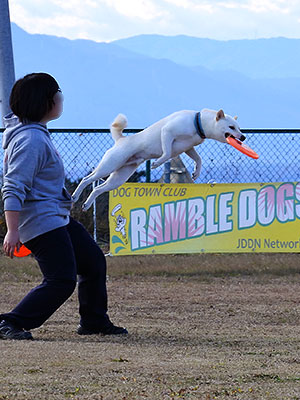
x,y
257,58
100,80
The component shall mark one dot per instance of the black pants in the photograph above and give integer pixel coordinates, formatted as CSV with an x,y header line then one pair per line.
x,y
63,254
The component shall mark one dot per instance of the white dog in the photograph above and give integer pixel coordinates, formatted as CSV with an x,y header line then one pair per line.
x,y
165,139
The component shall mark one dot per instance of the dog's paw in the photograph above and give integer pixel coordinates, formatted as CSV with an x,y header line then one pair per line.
x,y
85,207
195,175
155,164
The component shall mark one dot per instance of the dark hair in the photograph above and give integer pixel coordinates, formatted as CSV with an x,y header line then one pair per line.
x,y
31,97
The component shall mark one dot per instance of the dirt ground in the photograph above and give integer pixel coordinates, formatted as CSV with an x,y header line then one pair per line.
x,y
200,327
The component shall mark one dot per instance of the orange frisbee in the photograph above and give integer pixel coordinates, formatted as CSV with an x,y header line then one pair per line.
x,y
243,148
23,251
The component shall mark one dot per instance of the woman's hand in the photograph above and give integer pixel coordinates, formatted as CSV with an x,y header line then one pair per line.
x,y
11,241
12,238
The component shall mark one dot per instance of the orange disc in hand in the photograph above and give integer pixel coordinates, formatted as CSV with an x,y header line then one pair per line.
x,y
243,148
23,251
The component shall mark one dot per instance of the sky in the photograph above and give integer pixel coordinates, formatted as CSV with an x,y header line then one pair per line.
x,y
107,20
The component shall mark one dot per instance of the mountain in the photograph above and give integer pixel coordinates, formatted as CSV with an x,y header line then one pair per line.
x,y
257,58
100,80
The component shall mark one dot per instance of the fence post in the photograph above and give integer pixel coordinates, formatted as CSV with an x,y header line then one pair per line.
x,y
95,216
148,171
167,172
7,69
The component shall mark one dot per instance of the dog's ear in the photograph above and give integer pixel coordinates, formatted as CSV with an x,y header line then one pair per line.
x,y
235,117
220,114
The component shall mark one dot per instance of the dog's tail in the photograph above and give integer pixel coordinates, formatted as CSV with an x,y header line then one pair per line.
x,y
117,127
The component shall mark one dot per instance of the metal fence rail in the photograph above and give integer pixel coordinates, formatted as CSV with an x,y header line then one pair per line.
x,y
279,151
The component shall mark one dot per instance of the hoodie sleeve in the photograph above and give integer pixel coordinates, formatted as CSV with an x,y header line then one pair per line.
x,y
23,161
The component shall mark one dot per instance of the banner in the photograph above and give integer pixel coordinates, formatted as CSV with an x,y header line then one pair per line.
x,y
156,218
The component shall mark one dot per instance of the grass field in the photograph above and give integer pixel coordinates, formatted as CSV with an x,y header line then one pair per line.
x,y
201,327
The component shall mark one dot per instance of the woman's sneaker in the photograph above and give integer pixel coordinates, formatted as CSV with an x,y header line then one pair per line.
x,y
109,329
10,331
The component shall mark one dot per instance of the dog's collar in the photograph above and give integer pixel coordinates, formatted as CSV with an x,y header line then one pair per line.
x,y
198,125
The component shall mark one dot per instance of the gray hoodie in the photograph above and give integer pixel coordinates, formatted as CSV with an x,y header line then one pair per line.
x,y
34,178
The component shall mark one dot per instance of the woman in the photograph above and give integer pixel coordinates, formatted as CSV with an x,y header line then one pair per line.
x,y
37,213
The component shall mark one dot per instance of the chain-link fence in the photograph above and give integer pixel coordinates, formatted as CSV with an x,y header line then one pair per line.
x,y
279,157
82,149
